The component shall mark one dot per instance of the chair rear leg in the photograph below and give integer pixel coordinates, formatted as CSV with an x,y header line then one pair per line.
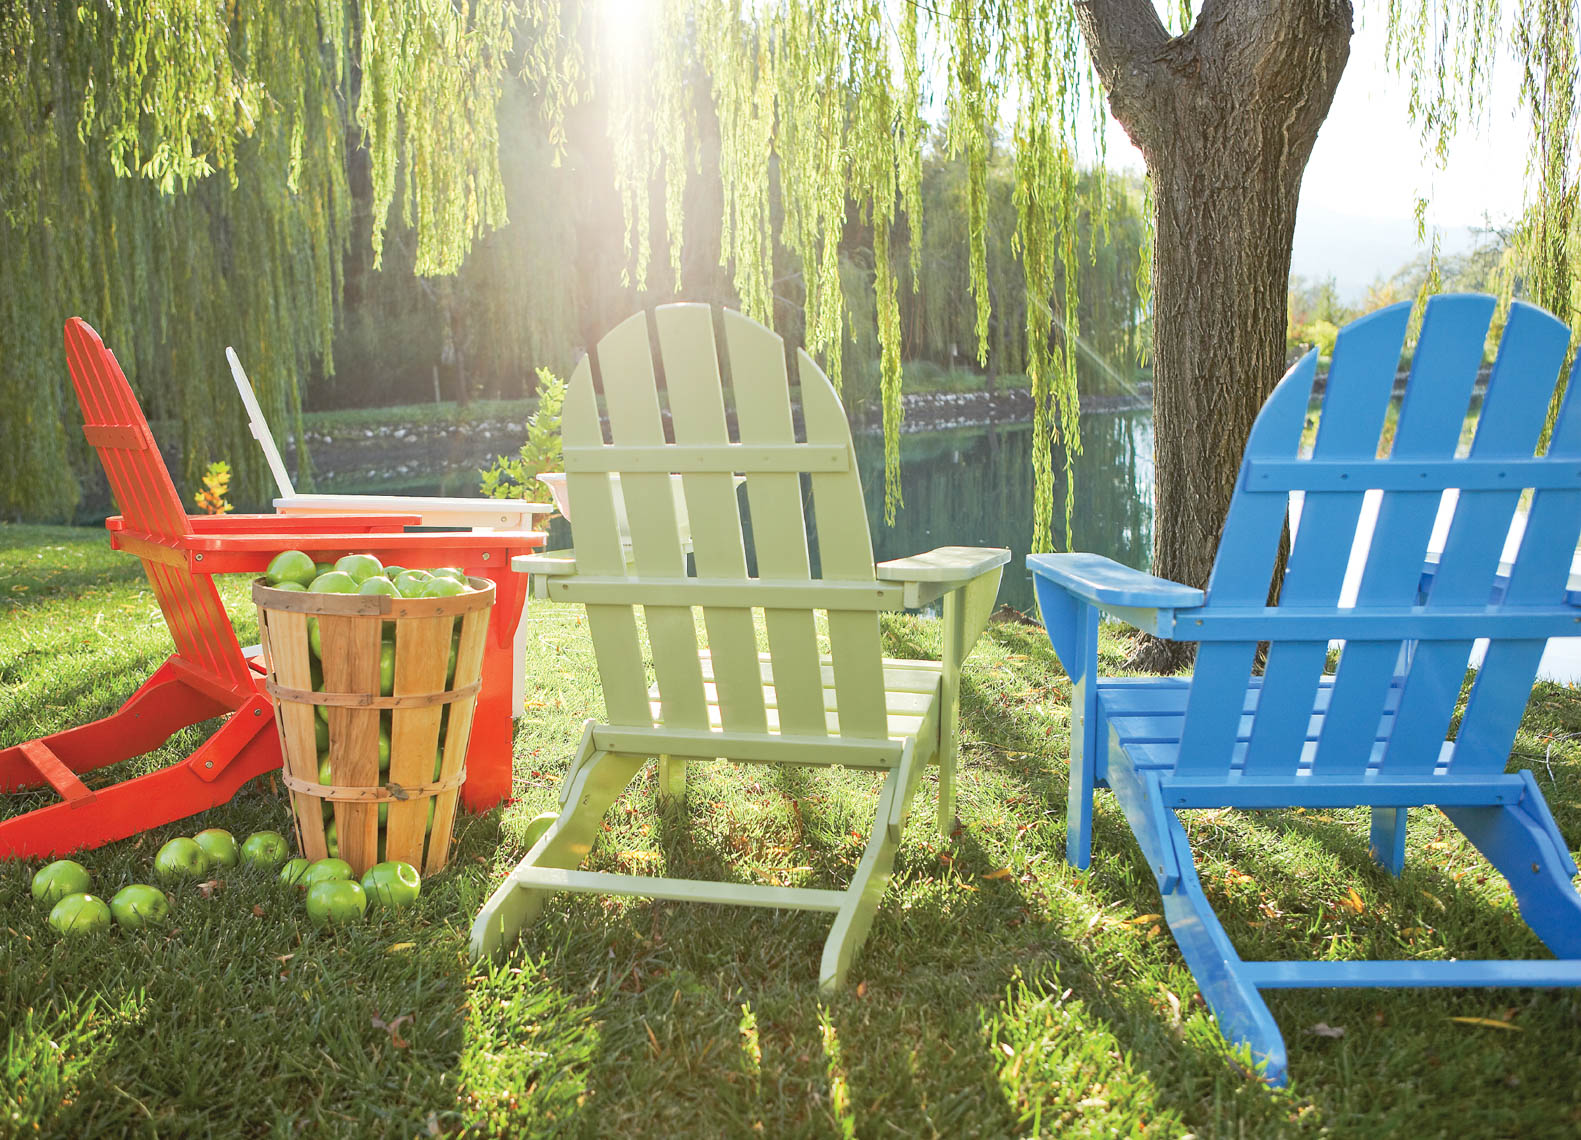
x,y
161,707
1511,838
1242,1014
244,747
1386,841
512,907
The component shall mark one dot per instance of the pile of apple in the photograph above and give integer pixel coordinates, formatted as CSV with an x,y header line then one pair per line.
x,y
365,574
333,895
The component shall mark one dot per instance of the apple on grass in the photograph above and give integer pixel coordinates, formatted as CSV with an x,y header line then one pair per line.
x,y
80,914
182,858
336,901
293,871
326,869
265,849
56,880
393,884
139,905
219,845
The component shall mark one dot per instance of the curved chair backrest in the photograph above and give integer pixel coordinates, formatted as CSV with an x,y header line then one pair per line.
x,y
151,511
666,388
1403,663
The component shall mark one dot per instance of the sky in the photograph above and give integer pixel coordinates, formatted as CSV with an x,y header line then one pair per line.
x,y
1357,217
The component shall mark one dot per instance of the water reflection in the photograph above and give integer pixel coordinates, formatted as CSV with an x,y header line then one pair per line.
x,y
973,487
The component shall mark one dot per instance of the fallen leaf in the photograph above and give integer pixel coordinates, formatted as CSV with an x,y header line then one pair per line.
x,y
1324,1029
393,1028
399,946
211,888
861,989
1489,1023
1353,902
998,873
1005,1048
258,911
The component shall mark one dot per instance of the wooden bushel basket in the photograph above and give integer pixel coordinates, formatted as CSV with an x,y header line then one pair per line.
x,y
352,631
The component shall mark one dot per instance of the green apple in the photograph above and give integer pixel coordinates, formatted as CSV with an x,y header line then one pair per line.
x,y
336,901
326,774
378,584
321,734
384,815
315,642
386,668
449,572
139,905
450,664
440,586
56,880
326,869
80,914
322,712
291,566
393,884
391,570
334,582
322,568
432,801
412,583
439,762
265,849
332,839
360,566
384,749
293,871
219,845
539,825
294,587
182,858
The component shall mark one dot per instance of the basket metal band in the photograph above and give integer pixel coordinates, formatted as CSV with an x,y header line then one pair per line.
x,y
389,792
366,700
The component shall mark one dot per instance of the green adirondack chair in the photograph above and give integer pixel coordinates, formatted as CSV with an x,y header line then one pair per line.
x,y
724,699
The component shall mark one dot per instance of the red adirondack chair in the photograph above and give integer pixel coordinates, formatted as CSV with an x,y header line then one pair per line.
x,y
208,675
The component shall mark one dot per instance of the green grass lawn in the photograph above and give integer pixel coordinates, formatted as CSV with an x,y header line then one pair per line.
x,y
1001,993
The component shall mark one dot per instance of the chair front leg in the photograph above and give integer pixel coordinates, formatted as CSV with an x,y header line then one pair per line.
x,y
1073,631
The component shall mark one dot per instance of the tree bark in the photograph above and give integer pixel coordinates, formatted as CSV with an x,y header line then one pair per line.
x,y
1226,117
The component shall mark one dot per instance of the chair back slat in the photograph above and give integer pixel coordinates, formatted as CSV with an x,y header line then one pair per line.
x,y
1509,426
845,552
1355,399
1431,417
114,423
259,427
697,412
1541,573
779,528
1241,576
600,551
631,397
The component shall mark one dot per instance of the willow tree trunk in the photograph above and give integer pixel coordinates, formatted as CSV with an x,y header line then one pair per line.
x,y
1226,117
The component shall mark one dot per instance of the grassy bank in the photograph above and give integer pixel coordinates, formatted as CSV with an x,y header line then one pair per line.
x,y
1000,993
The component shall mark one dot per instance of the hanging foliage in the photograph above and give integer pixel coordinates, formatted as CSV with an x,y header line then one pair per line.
x,y
178,173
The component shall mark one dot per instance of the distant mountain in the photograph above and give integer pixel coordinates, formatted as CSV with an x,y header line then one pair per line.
x,y
1356,250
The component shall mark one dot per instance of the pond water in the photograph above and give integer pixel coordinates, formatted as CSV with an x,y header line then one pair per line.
x,y
973,487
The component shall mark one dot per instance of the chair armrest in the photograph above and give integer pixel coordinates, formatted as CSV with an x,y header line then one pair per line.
x,y
931,575
1104,582
282,525
495,514
551,563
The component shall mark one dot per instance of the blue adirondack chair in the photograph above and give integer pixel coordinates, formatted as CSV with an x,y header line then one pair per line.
x,y
1373,733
